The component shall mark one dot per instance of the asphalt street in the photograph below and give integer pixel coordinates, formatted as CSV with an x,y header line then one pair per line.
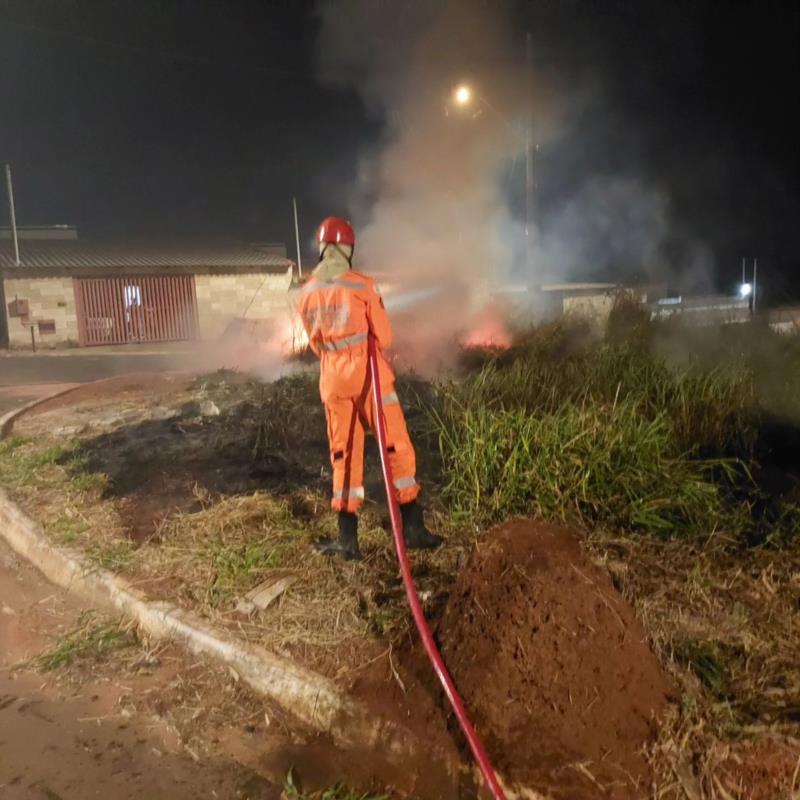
x,y
28,376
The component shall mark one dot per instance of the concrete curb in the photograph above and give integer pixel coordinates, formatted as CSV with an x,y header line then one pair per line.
x,y
7,420
308,696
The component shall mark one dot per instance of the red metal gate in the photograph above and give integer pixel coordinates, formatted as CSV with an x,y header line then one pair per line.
x,y
159,308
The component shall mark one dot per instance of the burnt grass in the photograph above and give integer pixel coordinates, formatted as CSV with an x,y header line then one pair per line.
x,y
266,437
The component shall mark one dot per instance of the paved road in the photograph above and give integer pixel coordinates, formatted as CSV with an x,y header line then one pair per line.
x,y
62,740
26,377
16,370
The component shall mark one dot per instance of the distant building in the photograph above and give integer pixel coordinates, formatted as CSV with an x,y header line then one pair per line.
x,y
702,309
70,291
592,301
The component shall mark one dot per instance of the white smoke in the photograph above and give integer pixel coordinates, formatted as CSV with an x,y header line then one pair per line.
x,y
432,204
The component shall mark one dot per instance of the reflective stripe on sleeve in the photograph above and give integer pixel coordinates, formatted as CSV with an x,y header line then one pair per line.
x,y
389,399
405,483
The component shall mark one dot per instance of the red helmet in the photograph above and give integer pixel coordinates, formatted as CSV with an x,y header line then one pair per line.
x,y
336,230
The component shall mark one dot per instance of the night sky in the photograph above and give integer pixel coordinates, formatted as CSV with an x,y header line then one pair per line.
x,y
156,118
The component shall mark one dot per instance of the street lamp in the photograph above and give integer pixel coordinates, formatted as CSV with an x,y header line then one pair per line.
x,y
745,290
463,96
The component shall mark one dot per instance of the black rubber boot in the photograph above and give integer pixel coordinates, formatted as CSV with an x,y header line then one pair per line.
x,y
347,544
415,534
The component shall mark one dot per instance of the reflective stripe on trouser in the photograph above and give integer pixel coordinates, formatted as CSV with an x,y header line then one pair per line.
x,y
348,420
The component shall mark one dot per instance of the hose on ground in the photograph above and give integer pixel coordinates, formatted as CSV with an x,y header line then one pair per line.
x,y
435,657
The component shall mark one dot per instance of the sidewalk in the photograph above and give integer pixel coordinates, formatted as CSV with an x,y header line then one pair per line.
x,y
145,349
91,364
12,397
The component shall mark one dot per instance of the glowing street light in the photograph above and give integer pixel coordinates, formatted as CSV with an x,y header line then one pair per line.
x,y
745,290
462,95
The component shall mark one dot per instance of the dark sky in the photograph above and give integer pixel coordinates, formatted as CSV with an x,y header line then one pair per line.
x,y
156,118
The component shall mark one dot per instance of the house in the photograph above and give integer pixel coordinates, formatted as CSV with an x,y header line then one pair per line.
x,y
547,301
70,291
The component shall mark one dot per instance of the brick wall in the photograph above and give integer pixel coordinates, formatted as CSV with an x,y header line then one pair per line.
x,y
221,298
48,299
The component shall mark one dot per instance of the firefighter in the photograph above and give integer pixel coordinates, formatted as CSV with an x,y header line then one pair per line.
x,y
340,308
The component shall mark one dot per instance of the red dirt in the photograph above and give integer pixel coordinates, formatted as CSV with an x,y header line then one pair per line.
x,y
761,771
404,690
553,665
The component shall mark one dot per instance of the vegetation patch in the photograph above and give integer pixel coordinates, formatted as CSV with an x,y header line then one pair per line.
x,y
609,465
614,431
337,792
675,451
92,639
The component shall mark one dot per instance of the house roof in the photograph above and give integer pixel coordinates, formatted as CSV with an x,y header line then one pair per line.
x,y
74,256
578,287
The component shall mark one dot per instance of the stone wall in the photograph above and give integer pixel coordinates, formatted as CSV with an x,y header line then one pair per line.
x,y
48,299
222,298
593,307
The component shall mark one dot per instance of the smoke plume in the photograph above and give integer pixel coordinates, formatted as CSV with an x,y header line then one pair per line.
x,y
429,204
439,199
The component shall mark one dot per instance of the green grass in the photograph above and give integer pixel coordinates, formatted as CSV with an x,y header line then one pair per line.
x,y
66,530
91,639
22,460
609,465
116,555
708,661
650,428
711,410
235,568
339,791
88,481
27,462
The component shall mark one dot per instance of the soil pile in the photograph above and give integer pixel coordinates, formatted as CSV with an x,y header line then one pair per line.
x,y
553,665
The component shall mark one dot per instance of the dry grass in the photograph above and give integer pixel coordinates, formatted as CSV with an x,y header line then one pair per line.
x,y
723,621
336,617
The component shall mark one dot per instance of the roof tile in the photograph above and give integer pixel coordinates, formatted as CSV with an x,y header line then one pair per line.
x,y
73,256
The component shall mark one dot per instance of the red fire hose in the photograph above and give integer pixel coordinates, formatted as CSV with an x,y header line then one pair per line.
x,y
432,651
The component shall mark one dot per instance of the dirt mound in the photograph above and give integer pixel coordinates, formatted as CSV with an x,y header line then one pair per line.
x,y
553,665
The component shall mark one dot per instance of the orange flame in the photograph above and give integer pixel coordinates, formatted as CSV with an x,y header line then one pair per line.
x,y
489,331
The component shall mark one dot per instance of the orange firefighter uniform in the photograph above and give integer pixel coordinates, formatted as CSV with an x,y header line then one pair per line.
x,y
339,314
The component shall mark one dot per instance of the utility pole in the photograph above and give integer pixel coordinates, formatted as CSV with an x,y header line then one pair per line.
x,y
755,284
744,274
10,187
529,183
297,240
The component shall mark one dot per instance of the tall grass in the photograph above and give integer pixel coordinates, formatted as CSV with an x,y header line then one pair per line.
x,y
614,430
711,409
598,464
